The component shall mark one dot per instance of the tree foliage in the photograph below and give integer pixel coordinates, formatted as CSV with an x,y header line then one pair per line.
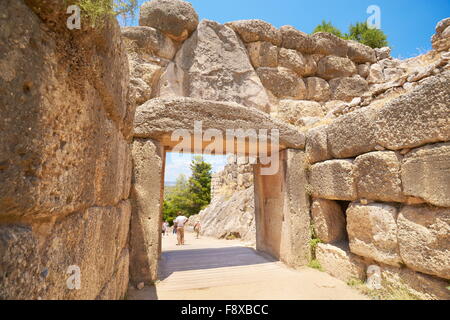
x,y
328,27
189,196
360,32
99,10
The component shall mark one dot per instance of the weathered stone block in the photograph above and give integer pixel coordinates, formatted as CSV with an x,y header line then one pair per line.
x,y
424,239
297,40
330,45
352,134
333,180
262,54
328,220
283,83
372,231
331,67
340,262
360,53
292,110
317,89
377,176
347,88
417,117
149,41
317,145
256,30
117,287
303,65
426,175
176,18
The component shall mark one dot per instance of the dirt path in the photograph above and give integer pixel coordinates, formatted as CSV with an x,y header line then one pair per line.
x,y
212,269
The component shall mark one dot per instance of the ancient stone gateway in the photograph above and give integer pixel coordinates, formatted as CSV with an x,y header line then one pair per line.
x,y
282,205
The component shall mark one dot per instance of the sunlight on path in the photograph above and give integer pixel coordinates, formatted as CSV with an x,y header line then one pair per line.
x,y
213,269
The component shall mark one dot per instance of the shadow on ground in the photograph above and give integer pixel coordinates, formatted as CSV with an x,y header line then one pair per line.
x,y
200,259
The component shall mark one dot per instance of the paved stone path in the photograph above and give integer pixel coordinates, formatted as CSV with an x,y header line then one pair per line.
x,y
212,269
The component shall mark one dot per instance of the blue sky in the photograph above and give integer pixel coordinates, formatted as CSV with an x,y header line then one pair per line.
x,y
409,25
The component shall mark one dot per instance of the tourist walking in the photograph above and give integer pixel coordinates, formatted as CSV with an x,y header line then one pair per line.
x,y
180,221
165,228
197,229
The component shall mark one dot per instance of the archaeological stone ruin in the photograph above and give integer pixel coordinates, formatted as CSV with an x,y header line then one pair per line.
x,y
89,115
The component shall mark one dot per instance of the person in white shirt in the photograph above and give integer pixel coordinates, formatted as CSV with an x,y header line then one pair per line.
x,y
180,221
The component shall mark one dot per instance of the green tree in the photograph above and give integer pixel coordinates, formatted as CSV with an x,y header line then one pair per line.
x,y
361,32
99,10
199,185
176,199
328,27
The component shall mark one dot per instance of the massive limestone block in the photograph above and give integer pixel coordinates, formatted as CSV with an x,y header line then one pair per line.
x,y
372,231
424,239
378,176
333,180
117,287
317,89
256,30
417,117
175,18
317,145
36,262
150,41
146,217
331,67
328,220
60,106
347,88
441,40
376,74
338,261
292,111
158,118
363,70
426,174
144,80
383,53
352,134
329,44
282,82
297,40
360,53
263,54
213,64
303,65
413,285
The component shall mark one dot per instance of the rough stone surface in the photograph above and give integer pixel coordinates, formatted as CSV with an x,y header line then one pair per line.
x,y
331,67
363,70
256,30
35,261
213,64
372,231
303,65
150,41
291,111
424,239
426,174
333,180
263,54
413,285
317,89
146,200
360,53
347,88
282,82
297,40
338,261
176,18
160,117
234,216
328,44
328,220
383,53
378,176
352,134
317,145
65,147
417,117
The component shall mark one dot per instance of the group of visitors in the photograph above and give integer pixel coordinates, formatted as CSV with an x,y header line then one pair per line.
x,y
178,228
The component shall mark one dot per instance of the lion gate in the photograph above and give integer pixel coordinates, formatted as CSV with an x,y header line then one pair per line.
x,y
281,202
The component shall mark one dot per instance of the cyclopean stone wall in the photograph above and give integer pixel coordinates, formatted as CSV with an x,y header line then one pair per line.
x,y
65,161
